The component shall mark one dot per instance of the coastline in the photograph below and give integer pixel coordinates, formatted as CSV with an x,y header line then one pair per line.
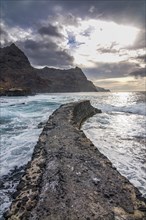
x,y
68,176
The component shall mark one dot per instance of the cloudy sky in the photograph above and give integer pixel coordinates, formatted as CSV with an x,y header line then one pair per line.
x,y
106,38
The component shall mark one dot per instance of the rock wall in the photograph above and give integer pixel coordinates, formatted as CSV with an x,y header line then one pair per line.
x,y
69,179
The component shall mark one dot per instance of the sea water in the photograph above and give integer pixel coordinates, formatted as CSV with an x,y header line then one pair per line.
x,y
119,132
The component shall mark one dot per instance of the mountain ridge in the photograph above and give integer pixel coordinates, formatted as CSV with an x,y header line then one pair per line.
x,y
17,72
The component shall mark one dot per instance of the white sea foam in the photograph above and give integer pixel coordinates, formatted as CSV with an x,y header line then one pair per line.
x,y
121,137
20,117
118,132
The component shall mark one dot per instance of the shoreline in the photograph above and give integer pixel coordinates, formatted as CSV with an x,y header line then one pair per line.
x,y
68,176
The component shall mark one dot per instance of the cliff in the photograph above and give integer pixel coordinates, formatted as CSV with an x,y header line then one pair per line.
x,y
16,72
68,178
100,89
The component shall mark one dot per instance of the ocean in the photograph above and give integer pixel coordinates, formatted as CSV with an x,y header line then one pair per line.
x,y
119,132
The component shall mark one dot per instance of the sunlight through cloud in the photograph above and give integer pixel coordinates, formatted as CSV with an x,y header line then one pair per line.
x,y
92,34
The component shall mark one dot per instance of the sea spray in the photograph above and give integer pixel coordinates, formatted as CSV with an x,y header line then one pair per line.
x,y
120,130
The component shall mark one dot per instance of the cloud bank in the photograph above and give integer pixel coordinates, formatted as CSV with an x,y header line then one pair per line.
x,y
105,38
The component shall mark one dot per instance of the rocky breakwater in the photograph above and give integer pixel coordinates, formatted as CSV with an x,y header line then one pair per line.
x,y
68,178
15,92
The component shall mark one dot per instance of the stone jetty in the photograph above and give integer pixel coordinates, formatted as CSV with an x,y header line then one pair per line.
x,y
69,179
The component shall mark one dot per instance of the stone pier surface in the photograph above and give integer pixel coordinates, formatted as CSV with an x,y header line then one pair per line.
x,y
69,179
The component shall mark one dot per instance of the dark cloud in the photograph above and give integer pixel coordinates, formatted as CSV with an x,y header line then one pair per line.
x,y
47,53
10,34
110,49
139,73
109,70
4,35
131,12
142,58
3,32
140,41
41,51
107,50
139,60
50,30
31,45
30,13
24,13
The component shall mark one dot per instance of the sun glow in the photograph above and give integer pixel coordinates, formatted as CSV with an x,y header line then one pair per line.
x,y
100,41
120,79
122,83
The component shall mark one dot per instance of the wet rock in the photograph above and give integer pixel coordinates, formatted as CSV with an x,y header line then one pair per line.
x,y
96,180
15,92
41,124
75,181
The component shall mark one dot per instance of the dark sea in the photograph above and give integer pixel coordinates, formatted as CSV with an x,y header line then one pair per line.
x,y
119,132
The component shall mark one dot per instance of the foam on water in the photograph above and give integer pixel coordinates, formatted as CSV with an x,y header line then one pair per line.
x,y
121,137
119,132
19,121
137,108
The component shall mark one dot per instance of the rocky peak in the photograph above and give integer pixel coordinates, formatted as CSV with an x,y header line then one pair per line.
x,y
77,68
14,46
16,72
12,57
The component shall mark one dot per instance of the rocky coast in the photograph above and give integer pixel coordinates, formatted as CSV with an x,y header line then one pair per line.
x,y
15,92
69,179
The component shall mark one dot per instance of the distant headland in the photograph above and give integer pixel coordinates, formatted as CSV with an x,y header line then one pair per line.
x,y
18,77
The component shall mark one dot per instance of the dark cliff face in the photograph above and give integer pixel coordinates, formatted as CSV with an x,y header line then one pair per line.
x,y
13,57
71,80
16,72
99,89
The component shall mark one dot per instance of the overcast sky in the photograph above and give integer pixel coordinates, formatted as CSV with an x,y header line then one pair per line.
x,y
106,38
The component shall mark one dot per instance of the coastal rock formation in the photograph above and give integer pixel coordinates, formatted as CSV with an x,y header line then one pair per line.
x,y
16,72
68,178
71,80
12,57
15,92
99,89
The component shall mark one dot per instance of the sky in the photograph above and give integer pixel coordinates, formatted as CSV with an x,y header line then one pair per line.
x,y
105,38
